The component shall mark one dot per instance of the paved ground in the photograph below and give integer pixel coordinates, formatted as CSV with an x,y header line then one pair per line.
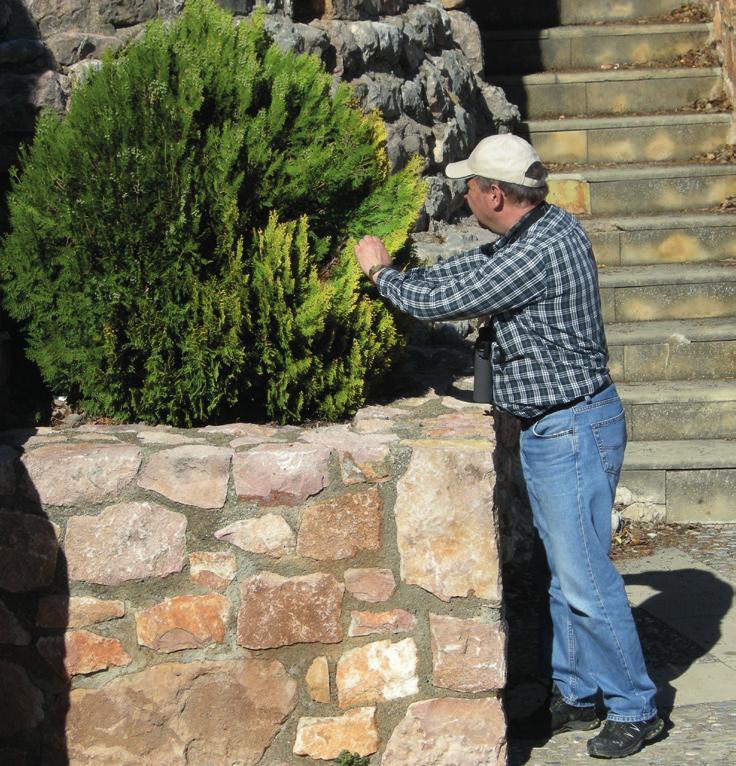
x,y
681,587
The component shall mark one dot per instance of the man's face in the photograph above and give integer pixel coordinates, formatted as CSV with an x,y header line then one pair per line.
x,y
483,204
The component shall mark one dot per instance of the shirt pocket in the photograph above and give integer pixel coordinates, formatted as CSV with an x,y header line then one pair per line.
x,y
610,438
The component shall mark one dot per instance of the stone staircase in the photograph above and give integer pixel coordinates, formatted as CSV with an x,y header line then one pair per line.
x,y
624,137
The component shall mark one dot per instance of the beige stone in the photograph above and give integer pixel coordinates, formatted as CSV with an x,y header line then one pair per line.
x,y
212,569
318,680
467,655
377,672
79,652
370,584
21,703
63,611
279,611
449,732
188,714
128,541
192,475
325,738
369,623
28,551
281,474
268,535
342,526
183,622
168,439
241,429
445,525
79,473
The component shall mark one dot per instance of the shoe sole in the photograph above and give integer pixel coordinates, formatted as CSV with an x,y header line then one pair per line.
x,y
648,737
594,723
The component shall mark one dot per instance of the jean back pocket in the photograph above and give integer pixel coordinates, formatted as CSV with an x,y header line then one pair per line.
x,y
610,438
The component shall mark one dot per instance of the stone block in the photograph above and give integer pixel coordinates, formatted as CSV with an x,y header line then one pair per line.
x,y
21,703
317,680
283,474
8,461
191,474
684,420
643,486
697,301
446,529
680,360
64,611
28,551
561,145
703,496
79,652
11,631
81,473
370,623
342,526
449,732
377,672
177,713
572,194
279,611
325,738
267,535
467,655
371,585
183,622
128,541
214,570
475,424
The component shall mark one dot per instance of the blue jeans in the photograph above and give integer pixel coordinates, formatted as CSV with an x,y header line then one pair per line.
x,y
571,461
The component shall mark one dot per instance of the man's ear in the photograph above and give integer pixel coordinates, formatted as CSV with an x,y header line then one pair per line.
x,y
496,197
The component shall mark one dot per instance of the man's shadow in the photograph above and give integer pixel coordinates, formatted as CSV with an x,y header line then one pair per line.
x,y
34,615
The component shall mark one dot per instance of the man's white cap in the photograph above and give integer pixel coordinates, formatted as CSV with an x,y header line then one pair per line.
x,y
505,157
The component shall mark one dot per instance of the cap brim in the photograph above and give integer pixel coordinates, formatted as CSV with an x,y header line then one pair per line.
x,y
458,170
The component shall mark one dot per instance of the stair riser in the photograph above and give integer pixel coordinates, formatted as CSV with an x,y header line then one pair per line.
x,y
547,53
585,99
705,495
680,420
629,144
692,245
635,196
699,360
651,302
543,13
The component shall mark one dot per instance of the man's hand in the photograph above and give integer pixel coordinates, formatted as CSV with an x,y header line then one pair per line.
x,y
371,252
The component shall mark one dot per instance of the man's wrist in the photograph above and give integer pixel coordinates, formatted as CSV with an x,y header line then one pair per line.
x,y
373,271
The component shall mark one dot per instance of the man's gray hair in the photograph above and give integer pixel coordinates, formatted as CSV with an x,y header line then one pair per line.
x,y
521,195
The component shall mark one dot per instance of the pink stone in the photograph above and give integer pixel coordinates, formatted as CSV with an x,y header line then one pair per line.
x,y
183,622
214,570
281,474
278,611
449,732
21,703
192,475
377,672
128,541
11,631
467,655
268,535
369,623
361,456
325,738
241,429
79,652
341,526
174,714
28,551
63,611
74,474
464,425
371,585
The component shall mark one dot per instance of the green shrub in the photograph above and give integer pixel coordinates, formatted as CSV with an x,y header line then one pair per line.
x,y
180,247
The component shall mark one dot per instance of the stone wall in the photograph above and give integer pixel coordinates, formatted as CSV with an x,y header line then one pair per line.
x,y
724,23
252,594
417,62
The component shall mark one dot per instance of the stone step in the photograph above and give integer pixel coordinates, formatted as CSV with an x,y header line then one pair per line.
x,y
681,409
621,91
642,189
543,13
672,291
638,138
664,238
685,349
575,47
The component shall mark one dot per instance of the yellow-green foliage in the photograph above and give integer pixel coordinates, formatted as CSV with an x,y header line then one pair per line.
x,y
180,247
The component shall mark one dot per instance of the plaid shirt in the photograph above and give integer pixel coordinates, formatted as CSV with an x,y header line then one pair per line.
x,y
542,291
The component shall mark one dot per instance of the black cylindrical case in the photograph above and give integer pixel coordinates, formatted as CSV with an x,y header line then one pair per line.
x,y
483,376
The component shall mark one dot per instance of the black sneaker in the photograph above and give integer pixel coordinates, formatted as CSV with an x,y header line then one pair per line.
x,y
617,739
564,717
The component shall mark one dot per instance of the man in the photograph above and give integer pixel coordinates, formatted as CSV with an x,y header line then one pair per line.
x,y
549,356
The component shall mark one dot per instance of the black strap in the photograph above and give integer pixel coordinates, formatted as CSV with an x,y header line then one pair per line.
x,y
530,219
